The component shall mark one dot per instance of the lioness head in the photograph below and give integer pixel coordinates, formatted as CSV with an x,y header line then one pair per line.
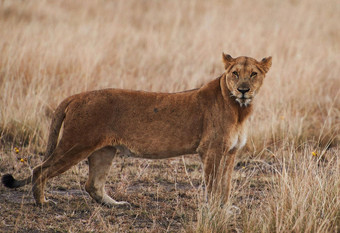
x,y
244,76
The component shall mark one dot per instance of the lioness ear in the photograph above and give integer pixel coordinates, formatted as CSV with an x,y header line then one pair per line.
x,y
227,60
266,63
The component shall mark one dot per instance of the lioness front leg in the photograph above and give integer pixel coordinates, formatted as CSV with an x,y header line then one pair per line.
x,y
228,169
218,169
99,166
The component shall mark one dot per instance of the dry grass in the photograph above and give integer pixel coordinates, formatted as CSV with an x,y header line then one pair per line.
x,y
52,49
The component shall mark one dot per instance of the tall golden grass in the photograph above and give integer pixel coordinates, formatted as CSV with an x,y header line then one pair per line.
x,y
52,49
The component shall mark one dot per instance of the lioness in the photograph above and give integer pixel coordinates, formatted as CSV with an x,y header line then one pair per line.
x,y
208,121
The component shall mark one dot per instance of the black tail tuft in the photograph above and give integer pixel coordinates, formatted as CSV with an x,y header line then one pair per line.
x,y
8,180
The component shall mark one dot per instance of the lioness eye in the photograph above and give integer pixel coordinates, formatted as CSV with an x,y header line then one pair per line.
x,y
253,74
235,73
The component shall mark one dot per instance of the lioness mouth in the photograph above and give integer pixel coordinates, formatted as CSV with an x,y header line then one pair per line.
x,y
243,101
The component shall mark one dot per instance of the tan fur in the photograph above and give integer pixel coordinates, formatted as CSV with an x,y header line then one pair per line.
x,y
208,121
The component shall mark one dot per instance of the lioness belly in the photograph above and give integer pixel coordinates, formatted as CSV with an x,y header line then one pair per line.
x,y
125,151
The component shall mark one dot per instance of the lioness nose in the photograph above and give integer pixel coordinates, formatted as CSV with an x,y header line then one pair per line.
x,y
243,90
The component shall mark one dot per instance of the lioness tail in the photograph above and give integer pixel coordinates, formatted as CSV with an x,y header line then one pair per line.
x,y
9,181
57,120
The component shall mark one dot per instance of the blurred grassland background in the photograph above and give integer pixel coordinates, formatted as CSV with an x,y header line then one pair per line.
x,y
52,49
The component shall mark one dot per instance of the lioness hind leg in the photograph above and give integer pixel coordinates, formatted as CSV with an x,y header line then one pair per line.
x,y
57,163
99,166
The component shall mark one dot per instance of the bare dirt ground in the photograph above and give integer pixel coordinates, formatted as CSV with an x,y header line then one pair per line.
x,y
160,195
